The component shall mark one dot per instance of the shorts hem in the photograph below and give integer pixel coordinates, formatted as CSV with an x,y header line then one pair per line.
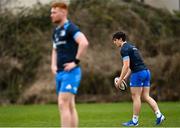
x,y
66,92
140,85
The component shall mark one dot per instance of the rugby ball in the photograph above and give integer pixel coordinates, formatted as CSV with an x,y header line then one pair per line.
x,y
122,86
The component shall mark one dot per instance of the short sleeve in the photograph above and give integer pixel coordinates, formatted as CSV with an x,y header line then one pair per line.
x,y
54,45
124,53
74,31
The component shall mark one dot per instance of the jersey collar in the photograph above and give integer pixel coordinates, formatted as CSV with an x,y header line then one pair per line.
x,y
124,43
65,25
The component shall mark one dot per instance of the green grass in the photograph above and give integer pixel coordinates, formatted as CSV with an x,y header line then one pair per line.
x,y
91,115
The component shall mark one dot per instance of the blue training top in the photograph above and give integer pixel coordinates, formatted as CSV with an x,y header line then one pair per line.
x,y
65,44
129,51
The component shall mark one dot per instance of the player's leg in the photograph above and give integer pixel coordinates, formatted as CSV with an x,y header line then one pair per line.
x,y
64,100
74,114
136,97
146,90
69,116
146,97
75,82
61,99
152,103
70,84
136,90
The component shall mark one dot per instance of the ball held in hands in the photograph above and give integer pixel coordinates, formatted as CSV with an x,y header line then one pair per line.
x,y
122,86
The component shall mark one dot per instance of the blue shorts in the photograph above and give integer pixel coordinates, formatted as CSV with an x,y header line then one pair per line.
x,y
68,81
140,79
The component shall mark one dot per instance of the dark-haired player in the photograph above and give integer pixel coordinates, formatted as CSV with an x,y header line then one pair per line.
x,y
134,67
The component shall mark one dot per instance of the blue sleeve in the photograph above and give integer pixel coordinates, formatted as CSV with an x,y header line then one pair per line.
x,y
124,54
74,31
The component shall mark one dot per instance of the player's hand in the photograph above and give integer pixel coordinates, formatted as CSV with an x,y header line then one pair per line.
x,y
69,66
54,69
125,79
118,83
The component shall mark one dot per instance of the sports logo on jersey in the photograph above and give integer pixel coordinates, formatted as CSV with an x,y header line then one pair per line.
x,y
63,33
56,39
60,42
134,48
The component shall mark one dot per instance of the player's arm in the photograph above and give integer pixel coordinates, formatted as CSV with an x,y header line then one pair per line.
x,y
82,42
54,61
125,69
127,74
82,45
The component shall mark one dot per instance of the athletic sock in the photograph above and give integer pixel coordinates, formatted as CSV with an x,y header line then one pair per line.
x,y
135,118
158,113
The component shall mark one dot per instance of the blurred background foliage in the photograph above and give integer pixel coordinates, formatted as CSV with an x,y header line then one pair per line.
x,y
25,49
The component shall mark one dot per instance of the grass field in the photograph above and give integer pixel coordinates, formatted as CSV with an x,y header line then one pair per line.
x,y
91,115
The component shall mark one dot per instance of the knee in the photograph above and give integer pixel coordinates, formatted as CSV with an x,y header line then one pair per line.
x,y
145,97
62,103
135,96
72,105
